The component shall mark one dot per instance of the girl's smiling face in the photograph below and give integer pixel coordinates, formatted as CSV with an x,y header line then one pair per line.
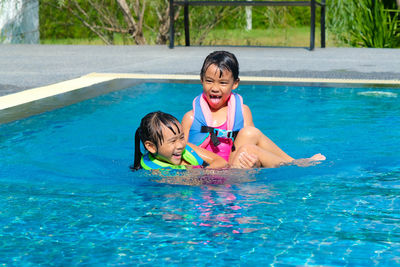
x,y
217,86
171,148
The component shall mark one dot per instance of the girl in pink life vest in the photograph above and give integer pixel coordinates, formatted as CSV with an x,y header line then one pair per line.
x,y
221,123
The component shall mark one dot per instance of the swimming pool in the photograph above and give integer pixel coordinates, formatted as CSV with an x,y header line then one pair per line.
x,y
68,197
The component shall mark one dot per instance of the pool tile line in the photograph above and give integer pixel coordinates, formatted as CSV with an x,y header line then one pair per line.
x,y
246,78
38,93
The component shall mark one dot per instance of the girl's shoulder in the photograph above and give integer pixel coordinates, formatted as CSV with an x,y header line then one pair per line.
x,y
187,122
247,116
246,108
188,117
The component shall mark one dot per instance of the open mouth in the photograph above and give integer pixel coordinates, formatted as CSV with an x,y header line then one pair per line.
x,y
215,98
177,155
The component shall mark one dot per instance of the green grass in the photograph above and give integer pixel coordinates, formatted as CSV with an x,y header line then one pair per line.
x,y
298,37
118,40
71,41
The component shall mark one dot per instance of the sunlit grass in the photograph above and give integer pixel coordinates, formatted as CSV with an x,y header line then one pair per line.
x,y
118,40
72,41
296,37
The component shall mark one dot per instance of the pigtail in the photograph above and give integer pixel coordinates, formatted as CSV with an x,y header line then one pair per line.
x,y
138,154
150,129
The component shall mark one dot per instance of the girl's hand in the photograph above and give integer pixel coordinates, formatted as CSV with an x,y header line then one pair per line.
x,y
247,161
214,161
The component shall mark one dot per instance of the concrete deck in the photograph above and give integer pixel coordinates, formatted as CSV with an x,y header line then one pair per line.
x,y
29,66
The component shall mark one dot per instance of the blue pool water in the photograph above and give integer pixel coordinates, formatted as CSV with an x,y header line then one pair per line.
x,y
68,197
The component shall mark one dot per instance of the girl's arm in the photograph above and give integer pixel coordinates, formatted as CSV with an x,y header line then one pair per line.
x,y
187,123
247,117
214,161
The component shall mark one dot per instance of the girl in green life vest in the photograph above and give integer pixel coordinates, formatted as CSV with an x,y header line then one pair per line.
x,y
160,143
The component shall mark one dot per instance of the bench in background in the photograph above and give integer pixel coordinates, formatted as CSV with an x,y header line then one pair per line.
x,y
312,4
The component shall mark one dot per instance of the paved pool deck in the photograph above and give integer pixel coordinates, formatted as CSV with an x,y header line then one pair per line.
x,y
28,66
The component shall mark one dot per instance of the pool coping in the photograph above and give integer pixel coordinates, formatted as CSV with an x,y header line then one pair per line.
x,y
33,101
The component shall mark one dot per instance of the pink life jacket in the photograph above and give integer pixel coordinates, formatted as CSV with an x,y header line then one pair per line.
x,y
210,138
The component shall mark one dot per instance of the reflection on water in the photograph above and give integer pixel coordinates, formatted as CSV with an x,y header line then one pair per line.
x,y
201,176
322,215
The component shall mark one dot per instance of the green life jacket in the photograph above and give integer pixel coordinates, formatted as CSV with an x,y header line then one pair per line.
x,y
149,162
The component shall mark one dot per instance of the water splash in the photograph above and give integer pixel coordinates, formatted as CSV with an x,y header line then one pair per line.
x,y
377,94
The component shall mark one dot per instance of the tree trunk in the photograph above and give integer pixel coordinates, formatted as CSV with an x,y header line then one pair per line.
x,y
134,29
162,12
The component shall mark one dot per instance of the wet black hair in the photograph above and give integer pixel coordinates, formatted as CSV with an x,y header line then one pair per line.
x,y
150,129
224,60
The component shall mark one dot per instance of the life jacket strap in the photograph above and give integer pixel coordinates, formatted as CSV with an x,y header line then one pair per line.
x,y
215,133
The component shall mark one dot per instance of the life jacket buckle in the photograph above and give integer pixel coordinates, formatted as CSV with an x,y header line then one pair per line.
x,y
223,133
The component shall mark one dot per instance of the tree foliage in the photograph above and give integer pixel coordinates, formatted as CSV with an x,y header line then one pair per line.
x,y
147,21
105,18
371,23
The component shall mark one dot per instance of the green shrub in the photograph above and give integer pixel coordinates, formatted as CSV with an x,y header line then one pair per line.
x,y
363,23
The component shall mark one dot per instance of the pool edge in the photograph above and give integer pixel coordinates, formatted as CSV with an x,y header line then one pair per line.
x,y
41,99
297,80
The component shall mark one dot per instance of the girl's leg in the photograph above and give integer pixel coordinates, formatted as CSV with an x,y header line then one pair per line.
x,y
251,156
252,135
255,144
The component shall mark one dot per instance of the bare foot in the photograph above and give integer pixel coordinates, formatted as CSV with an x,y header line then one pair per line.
x,y
314,160
318,157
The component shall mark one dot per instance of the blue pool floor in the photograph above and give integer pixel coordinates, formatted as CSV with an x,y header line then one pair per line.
x,y
68,196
